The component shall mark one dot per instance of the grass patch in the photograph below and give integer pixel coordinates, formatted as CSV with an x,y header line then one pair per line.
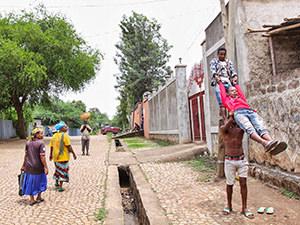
x,y
290,194
133,141
109,134
101,214
205,165
162,143
138,143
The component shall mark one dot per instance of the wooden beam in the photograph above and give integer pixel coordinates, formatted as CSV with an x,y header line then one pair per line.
x,y
291,19
272,56
284,28
254,31
267,25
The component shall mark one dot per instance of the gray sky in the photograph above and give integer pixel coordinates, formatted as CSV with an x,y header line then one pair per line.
x,y
183,23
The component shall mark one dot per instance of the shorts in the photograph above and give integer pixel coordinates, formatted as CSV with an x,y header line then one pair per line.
x,y
233,166
250,121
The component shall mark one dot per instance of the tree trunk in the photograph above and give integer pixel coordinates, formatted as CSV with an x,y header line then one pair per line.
x,y
21,122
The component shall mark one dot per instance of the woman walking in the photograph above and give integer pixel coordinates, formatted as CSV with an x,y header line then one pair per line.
x,y
60,147
35,167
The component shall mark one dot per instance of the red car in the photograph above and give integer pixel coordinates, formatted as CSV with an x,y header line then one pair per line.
x,y
107,129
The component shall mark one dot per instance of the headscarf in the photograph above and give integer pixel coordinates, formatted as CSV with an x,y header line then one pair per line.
x,y
36,130
59,125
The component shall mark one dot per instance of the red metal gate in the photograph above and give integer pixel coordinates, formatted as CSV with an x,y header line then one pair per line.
x,y
197,117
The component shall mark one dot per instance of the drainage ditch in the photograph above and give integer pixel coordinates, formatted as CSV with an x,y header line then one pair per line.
x,y
119,147
128,198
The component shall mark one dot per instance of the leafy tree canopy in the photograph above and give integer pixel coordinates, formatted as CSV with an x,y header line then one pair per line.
x,y
69,112
41,54
142,57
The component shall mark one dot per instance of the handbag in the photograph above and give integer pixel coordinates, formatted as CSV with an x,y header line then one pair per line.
x,y
20,181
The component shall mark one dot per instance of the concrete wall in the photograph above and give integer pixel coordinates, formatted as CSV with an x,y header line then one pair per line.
x,y
214,40
168,110
136,115
74,132
146,118
6,129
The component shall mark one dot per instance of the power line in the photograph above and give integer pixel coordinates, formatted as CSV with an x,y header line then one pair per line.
x,y
193,42
95,5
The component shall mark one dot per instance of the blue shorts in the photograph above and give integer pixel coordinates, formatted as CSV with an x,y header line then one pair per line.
x,y
250,121
217,91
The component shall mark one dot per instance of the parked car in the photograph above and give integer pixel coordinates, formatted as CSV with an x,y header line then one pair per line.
x,y
107,129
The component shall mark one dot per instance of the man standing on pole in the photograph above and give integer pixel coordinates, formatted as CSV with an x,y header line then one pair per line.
x,y
223,68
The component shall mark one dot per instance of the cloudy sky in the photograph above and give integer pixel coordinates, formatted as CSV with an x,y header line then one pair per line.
x,y
183,24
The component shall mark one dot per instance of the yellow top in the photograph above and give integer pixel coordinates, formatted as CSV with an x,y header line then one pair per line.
x,y
55,143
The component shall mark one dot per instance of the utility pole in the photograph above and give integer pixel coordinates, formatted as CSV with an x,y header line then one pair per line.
x,y
229,36
221,146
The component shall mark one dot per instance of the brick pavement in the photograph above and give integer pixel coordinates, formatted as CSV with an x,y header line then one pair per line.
x,y
76,205
190,202
185,200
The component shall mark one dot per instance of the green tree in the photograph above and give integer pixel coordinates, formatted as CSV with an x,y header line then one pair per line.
x,y
58,110
97,119
41,54
142,57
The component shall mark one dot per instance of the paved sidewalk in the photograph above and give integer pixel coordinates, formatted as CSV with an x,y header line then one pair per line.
x,y
190,202
76,205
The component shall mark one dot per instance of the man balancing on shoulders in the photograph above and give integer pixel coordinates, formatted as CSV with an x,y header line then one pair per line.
x,y
235,162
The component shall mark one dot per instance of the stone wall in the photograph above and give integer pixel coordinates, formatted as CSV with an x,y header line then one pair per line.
x,y
254,14
277,100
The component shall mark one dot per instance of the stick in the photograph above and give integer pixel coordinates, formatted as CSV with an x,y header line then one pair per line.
x,y
284,28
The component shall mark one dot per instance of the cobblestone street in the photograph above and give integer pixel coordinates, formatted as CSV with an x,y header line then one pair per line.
x,y
185,199
76,205
191,202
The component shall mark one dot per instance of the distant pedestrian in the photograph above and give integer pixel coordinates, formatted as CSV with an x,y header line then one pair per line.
x,y
60,147
85,129
35,167
235,162
223,68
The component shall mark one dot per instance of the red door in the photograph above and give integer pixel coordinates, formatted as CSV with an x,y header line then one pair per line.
x,y
195,116
197,120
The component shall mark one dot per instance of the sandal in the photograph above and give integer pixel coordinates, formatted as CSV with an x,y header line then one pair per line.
x,y
56,184
261,210
270,210
60,189
32,203
248,215
226,211
271,145
39,199
280,147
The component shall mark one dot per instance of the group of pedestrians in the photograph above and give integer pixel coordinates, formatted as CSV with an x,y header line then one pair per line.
x,y
35,166
242,118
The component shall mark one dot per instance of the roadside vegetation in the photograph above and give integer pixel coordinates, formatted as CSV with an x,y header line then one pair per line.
x,y
205,165
139,143
290,194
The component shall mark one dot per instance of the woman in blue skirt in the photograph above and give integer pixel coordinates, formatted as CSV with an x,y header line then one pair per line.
x,y
35,167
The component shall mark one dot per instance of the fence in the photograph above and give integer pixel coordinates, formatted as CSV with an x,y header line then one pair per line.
x,y
6,129
168,110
